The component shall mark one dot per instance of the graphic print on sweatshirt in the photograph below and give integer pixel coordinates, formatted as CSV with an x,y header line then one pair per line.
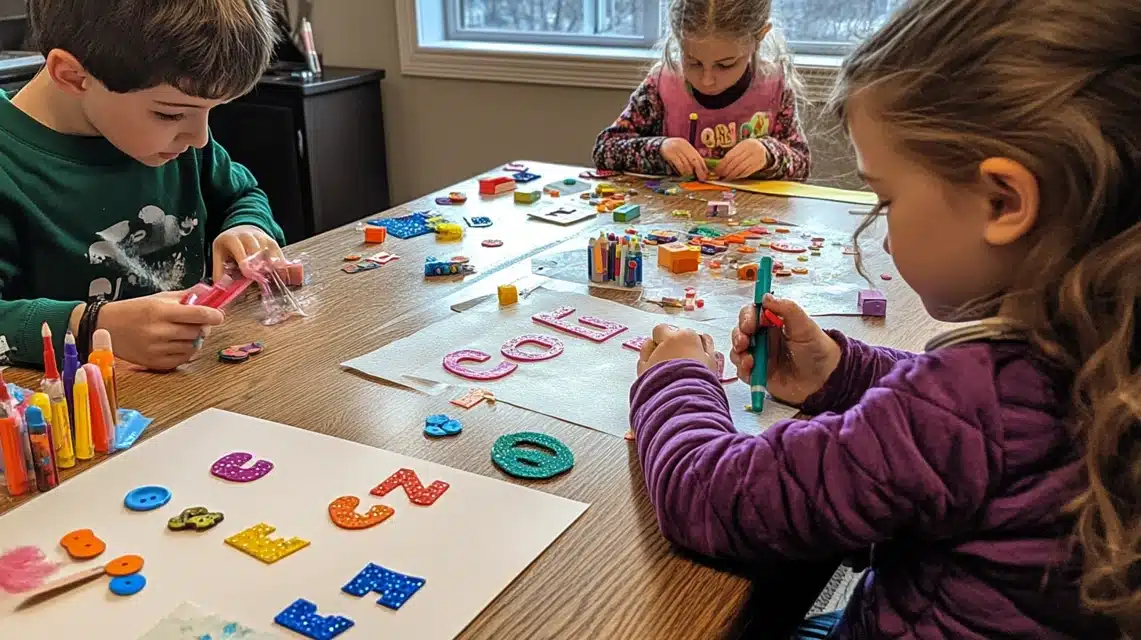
x,y
127,245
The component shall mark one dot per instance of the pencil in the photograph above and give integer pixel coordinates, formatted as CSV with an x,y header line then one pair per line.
x,y
759,379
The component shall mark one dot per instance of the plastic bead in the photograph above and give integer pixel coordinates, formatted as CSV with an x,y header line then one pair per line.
x,y
146,498
553,346
230,467
530,463
256,542
343,513
82,544
394,588
301,617
127,585
416,491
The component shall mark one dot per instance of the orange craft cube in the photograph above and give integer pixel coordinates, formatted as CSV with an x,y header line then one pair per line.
x,y
375,235
679,258
747,271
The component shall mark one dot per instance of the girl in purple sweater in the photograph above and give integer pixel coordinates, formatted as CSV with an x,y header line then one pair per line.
x,y
996,477
721,64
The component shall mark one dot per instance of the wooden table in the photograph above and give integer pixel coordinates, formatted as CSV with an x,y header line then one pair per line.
x,y
611,575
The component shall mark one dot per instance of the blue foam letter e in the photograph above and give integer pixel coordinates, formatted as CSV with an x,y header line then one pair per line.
x,y
394,588
301,617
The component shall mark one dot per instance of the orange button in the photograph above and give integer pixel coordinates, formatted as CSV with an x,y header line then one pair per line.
x,y
124,565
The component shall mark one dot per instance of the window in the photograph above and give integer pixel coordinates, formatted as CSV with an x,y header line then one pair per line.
x,y
599,43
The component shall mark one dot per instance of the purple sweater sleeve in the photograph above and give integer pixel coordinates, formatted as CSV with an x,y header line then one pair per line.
x,y
634,141
861,366
906,454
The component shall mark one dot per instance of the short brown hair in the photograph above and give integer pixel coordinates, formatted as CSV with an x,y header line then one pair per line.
x,y
211,49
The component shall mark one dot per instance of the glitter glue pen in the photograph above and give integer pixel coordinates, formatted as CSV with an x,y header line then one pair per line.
x,y
56,412
43,451
103,356
102,428
15,469
83,444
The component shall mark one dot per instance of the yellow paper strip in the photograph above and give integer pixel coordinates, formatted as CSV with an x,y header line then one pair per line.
x,y
798,190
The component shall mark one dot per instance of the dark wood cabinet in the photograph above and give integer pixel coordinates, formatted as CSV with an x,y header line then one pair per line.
x,y
317,147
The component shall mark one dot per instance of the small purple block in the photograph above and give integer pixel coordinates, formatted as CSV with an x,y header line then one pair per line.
x,y
872,303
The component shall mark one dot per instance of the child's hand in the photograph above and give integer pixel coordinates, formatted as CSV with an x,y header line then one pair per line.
x,y
801,357
743,160
684,158
157,332
237,243
670,343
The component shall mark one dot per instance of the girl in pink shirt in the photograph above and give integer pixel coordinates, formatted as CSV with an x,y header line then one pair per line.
x,y
745,102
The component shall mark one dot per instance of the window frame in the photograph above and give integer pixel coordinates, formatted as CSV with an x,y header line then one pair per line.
x,y
454,31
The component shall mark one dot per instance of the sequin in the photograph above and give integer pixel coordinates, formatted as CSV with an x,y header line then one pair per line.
x,y
301,617
555,319
343,513
394,588
531,463
230,467
256,542
416,491
553,347
453,363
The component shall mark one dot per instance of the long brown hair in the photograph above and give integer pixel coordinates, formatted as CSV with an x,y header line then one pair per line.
x,y
1054,85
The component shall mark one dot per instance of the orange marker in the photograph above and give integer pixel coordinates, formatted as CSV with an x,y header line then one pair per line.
x,y
102,428
103,355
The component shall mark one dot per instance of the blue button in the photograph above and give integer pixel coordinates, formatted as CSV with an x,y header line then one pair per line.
x,y
147,498
128,585
437,419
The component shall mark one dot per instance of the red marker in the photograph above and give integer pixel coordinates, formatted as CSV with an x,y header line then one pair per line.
x,y
51,369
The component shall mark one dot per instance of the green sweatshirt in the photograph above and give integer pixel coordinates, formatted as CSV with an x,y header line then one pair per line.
x,y
80,220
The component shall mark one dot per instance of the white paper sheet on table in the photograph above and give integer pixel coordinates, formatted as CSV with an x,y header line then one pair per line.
x,y
589,384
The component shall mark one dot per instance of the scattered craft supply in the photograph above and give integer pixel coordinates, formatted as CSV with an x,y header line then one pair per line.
x,y
127,585
343,513
491,244
627,213
598,174
405,227
787,247
872,303
375,235
567,188
394,588
353,257
523,177
434,268
636,343
448,231
471,398
382,258
241,352
563,215
515,166
124,565
478,222
146,498
256,542
799,270
24,568
531,464
82,544
453,363
460,259
301,618
615,259
358,267
232,467
495,186
195,519
885,276
439,426
553,348
416,491
508,295
444,201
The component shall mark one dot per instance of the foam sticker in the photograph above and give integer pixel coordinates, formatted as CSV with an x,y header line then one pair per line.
x,y
82,544
453,362
343,513
471,398
195,519
394,588
417,492
256,542
301,617
636,343
555,319
534,464
553,348
231,467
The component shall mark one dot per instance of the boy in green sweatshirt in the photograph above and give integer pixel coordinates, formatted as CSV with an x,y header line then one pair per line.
x,y
108,173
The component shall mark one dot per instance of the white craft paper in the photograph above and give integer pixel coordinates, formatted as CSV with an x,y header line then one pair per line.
x,y
469,545
191,622
589,384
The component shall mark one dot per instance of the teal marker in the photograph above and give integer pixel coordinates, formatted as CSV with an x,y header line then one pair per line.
x,y
760,339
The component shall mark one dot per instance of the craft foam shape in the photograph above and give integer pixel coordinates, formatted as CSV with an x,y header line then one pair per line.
x,y
124,565
146,498
453,363
636,343
256,542
231,467
449,428
787,247
508,295
555,319
679,258
375,235
195,519
553,346
416,491
343,513
470,399
404,227
531,463
82,544
127,585
301,617
394,588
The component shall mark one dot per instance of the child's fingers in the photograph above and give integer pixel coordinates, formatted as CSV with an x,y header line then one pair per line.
x,y
745,367
192,315
793,315
647,350
747,320
740,340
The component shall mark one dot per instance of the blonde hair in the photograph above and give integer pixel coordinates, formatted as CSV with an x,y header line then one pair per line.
x,y
210,49
1053,85
740,20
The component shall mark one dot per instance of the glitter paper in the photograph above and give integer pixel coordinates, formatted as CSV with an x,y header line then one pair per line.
x,y
124,565
471,398
301,617
452,362
555,319
229,467
636,343
256,542
416,491
195,519
343,513
394,588
127,585
82,544
553,346
522,462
